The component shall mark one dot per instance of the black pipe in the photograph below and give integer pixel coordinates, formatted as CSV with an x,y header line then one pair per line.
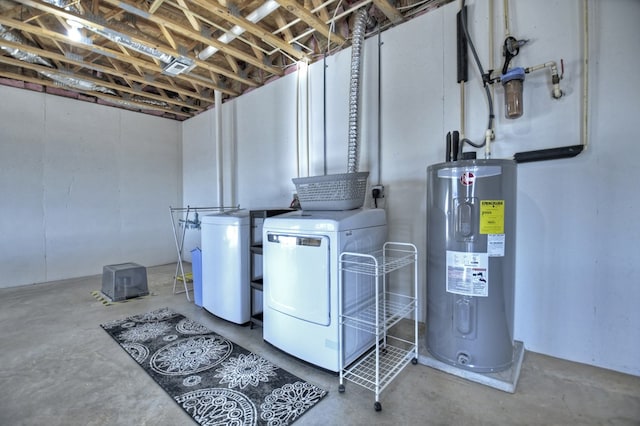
x,y
455,146
463,68
548,154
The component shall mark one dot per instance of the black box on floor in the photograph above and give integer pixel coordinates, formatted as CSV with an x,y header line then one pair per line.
x,y
124,281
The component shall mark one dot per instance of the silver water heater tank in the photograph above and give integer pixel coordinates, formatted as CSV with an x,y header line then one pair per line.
x,y
471,215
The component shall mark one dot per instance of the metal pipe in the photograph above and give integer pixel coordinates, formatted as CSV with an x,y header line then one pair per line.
x,y
22,55
354,89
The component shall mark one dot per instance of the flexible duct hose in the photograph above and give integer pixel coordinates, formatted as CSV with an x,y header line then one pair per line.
x,y
354,89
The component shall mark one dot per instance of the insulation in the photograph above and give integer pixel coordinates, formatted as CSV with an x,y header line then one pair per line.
x,y
14,37
75,82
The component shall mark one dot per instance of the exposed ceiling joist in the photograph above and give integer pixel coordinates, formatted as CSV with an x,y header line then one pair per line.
x,y
312,20
389,11
173,54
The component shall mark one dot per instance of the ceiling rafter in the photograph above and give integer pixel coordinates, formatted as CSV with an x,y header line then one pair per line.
x,y
324,15
175,54
266,36
185,31
190,16
282,23
131,91
111,99
167,35
389,11
161,48
312,20
141,81
113,54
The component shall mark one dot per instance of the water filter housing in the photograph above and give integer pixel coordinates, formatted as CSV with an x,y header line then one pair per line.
x,y
471,207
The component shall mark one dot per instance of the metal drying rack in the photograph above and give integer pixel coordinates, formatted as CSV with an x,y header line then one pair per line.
x,y
188,223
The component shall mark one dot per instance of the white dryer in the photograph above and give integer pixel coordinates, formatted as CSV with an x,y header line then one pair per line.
x,y
300,273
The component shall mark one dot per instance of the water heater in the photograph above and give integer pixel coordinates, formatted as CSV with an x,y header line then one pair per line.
x,y
471,206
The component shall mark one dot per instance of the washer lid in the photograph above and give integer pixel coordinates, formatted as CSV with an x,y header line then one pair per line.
x,y
234,217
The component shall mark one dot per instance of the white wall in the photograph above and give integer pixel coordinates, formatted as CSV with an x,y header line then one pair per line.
x,y
577,268
83,186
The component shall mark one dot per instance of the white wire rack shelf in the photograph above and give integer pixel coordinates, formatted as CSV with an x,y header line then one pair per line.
x,y
376,314
378,263
395,355
393,308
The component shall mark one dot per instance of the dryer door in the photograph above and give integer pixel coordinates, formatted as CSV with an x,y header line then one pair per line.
x,y
296,276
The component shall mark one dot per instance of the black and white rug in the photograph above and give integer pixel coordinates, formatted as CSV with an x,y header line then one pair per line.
x,y
214,380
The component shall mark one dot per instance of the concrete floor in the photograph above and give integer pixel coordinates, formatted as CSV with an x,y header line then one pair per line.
x,y
58,367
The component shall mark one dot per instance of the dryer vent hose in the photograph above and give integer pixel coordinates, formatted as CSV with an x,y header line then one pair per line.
x,y
359,28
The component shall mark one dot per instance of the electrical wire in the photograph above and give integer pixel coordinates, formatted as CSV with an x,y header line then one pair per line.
x,y
486,86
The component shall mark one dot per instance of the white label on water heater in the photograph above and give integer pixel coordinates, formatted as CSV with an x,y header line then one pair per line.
x,y
468,273
495,245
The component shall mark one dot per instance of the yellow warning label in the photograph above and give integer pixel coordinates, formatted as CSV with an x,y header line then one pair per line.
x,y
492,216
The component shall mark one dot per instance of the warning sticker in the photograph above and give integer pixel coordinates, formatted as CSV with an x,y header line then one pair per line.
x,y
495,245
468,273
492,216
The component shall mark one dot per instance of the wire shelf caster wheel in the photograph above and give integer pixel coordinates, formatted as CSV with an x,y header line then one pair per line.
x,y
377,406
414,361
341,388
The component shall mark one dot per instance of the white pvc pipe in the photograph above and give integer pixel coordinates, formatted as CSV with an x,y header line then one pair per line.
x,y
489,133
303,120
308,116
585,78
218,143
507,32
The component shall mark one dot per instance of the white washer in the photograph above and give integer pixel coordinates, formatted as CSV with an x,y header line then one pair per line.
x,y
225,265
300,272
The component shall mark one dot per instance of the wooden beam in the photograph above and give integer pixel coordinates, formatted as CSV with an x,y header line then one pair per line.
x,y
168,36
190,17
324,15
263,34
155,5
11,23
95,7
97,82
160,47
103,69
180,29
49,83
316,23
389,11
282,23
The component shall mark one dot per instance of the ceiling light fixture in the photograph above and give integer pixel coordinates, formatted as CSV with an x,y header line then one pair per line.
x,y
74,30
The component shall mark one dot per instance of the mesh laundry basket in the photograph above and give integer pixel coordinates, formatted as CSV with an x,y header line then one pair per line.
x,y
345,191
